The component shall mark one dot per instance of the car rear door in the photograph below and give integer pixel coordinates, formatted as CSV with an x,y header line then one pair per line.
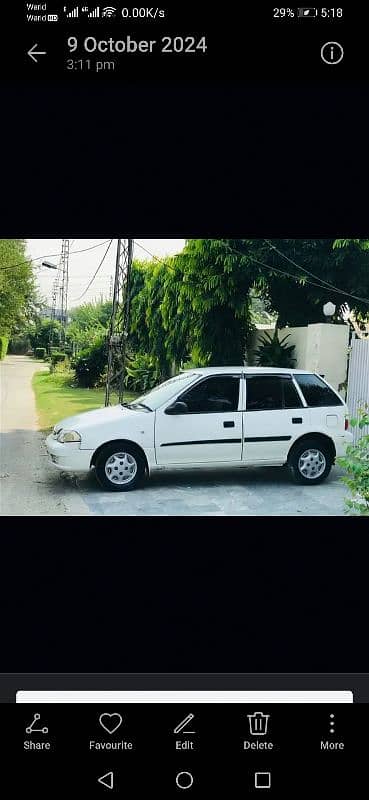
x,y
327,409
210,431
275,416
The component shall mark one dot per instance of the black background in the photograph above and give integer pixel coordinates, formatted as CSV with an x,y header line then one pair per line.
x,y
264,151
255,594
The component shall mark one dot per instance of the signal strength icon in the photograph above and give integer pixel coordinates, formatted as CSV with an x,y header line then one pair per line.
x,y
109,11
95,13
72,14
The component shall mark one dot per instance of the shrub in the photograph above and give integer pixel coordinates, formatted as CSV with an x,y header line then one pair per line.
x,y
195,360
40,352
142,373
46,332
57,357
356,463
90,365
274,352
19,344
4,341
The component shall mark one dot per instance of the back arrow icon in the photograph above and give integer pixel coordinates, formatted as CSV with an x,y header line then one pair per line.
x,y
32,52
107,780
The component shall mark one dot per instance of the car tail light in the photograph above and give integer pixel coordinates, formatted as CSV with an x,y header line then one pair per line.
x,y
346,424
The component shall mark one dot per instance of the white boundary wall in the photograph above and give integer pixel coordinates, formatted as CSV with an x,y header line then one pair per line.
x,y
321,348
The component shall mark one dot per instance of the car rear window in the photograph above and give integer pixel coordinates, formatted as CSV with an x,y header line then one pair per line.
x,y
316,392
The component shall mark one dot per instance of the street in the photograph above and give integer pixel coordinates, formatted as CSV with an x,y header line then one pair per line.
x,y
29,486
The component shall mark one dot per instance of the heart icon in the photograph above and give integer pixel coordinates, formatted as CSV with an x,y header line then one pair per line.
x,y
110,722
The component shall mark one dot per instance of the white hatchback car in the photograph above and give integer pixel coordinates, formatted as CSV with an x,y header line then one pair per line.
x,y
236,416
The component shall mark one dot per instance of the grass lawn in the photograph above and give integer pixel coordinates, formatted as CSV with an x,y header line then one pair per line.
x,y
56,398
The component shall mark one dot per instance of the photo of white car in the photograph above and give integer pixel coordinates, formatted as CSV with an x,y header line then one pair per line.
x,y
236,416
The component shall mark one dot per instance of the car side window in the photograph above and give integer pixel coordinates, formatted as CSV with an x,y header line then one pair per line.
x,y
316,392
264,393
213,395
271,392
290,395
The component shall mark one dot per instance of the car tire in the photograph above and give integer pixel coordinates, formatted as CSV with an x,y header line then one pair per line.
x,y
120,467
310,462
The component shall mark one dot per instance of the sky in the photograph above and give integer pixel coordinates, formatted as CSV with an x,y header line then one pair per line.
x,y
83,265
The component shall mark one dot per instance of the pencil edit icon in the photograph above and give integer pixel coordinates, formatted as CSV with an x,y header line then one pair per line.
x,y
183,725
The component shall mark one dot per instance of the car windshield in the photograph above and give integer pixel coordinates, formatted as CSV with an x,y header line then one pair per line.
x,y
162,393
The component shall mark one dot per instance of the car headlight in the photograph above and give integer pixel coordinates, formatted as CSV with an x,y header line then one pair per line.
x,y
68,436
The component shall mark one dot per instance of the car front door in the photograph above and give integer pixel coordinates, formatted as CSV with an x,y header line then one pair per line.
x,y
207,426
275,416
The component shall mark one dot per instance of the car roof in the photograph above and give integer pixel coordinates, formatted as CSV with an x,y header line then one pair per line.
x,y
247,370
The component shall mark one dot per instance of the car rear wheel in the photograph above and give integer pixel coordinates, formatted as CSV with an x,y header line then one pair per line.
x,y
120,467
310,462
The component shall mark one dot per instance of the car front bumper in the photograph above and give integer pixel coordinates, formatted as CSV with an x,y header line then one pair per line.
x,y
68,457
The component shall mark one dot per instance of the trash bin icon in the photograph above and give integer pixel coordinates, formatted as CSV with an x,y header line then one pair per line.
x,y
258,723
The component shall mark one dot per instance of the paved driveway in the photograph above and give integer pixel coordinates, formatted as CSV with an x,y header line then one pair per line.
x,y
27,485
244,492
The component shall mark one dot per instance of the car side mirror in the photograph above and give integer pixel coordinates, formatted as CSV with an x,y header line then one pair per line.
x,y
179,407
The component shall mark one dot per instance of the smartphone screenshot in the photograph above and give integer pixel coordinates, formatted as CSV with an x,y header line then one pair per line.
x,y
184,384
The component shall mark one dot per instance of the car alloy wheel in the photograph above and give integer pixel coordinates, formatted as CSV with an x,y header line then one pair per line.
x,y
121,468
312,464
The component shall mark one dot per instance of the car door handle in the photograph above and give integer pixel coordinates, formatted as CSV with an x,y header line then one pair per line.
x,y
228,424
297,420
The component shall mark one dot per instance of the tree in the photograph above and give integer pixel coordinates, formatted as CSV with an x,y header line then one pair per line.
x,y
89,323
89,314
214,282
44,332
201,305
17,289
315,269
361,328
358,316
147,331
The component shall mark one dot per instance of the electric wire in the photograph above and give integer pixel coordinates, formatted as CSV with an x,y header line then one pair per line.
x,y
303,269
95,273
53,255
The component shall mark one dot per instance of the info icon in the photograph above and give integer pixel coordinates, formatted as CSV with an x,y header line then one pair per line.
x,y
332,53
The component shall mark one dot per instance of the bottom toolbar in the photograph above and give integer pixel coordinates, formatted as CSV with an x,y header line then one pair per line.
x,y
236,749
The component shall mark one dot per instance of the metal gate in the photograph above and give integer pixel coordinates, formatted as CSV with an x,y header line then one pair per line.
x,y
358,381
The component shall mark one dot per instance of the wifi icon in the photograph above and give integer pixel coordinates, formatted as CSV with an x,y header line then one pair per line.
x,y
109,11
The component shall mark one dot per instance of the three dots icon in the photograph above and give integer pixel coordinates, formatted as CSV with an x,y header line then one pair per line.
x,y
332,723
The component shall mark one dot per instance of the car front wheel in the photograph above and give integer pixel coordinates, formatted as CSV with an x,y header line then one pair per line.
x,y
120,467
310,462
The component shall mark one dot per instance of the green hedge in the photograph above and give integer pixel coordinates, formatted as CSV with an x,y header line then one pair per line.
x,y
4,341
56,358
40,352
90,365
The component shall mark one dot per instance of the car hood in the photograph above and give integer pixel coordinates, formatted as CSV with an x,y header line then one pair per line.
x,y
99,416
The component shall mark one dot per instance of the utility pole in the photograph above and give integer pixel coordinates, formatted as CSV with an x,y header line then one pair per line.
x,y
111,287
54,301
60,290
119,322
64,266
